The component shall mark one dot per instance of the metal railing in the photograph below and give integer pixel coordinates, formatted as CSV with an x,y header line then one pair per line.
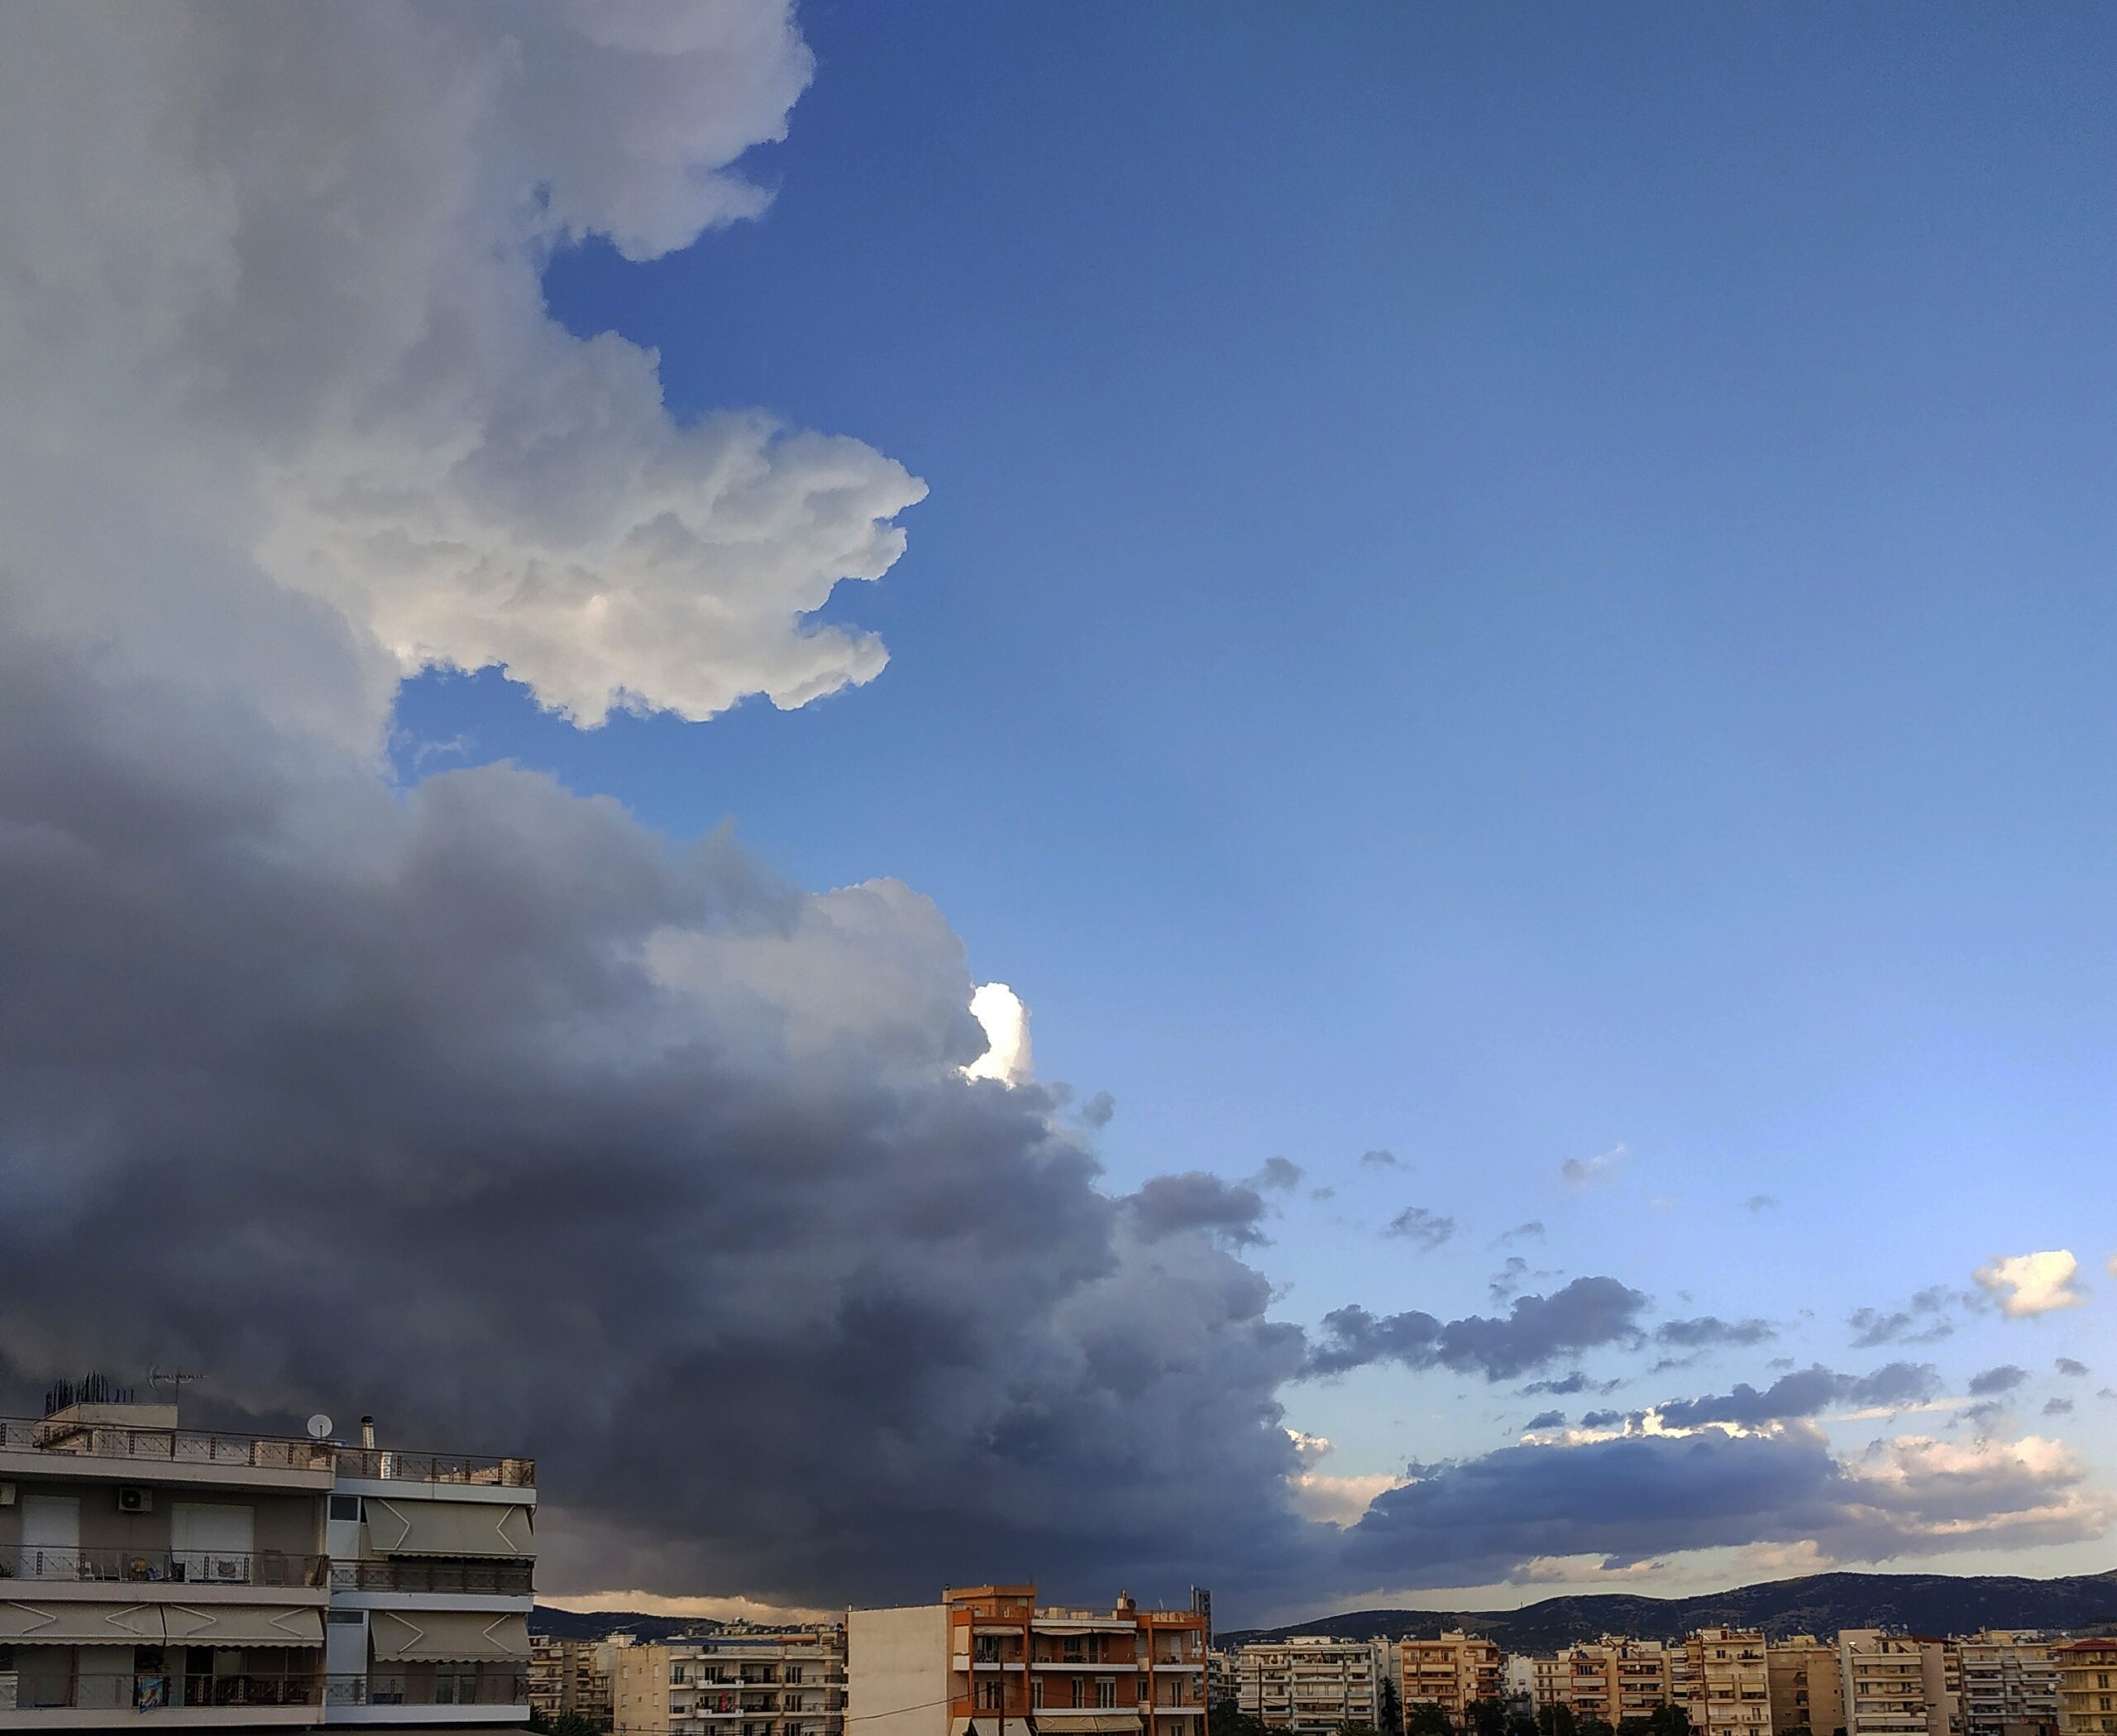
x,y
176,1566
152,1690
261,1452
500,1578
429,1688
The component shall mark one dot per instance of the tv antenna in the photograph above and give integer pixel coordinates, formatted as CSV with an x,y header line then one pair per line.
x,y
173,1378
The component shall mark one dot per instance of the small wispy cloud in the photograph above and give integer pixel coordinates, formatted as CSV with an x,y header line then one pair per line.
x,y
1379,1159
1759,1203
1425,1229
1592,1172
1278,1174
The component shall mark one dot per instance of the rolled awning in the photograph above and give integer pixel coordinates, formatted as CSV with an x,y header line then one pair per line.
x,y
152,1625
447,1636
1065,1721
448,1528
79,1624
243,1625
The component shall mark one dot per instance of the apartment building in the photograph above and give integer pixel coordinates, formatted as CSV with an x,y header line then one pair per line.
x,y
2008,1682
222,1580
1311,1684
1612,1678
571,1678
1718,1676
2087,1687
789,1682
1895,1684
987,1659
1451,1672
1806,1692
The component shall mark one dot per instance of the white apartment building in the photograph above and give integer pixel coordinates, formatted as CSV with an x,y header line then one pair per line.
x,y
167,1577
1311,1684
784,1683
2009,1683
1895,1684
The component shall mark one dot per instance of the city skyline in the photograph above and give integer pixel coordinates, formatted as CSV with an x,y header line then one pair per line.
x,y
1309,802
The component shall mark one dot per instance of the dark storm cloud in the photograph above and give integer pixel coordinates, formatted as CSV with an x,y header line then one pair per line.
x,y
1424,1229
1585,1314
1804,1393
462,1136
1169,1204
1484,1520
2003,1378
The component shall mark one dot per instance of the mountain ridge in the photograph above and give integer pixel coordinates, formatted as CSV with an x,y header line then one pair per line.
x,y
1817,1603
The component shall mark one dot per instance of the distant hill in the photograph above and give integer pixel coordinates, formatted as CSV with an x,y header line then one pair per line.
x,y
602,1623
1821,1603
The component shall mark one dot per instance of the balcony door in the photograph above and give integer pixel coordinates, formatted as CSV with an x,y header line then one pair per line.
x,y
211,1541
51,1536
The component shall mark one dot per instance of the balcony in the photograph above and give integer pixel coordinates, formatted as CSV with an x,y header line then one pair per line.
x,y
209,1702
429,1688
502,1577
189,1568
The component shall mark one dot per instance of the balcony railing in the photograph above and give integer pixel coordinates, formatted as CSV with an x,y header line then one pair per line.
x,y
183,1566
148,1690
261,1452
502,1578
436,1688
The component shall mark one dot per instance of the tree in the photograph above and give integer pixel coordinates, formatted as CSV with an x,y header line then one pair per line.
x,y
1356,1726
1426,1718
1487,1718
1635,1726
1596,1726
1556,1719
1391,1709
1225,1717
1670,1719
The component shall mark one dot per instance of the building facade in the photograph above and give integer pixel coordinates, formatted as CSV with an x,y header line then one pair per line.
x,y
222,1580
1312,1685
571,1678
788,1682
2008,1682
988,1659
2087,1687
1452,1672
1718,1676
1805,1689
1895,1684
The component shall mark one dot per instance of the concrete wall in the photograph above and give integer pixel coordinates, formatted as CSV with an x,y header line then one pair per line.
x,y
290,1523
897,1671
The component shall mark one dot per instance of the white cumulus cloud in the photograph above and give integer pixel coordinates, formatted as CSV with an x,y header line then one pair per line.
x,y
1006,1058
2033,1284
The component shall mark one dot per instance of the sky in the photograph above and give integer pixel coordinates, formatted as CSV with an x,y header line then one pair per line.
x,y
1496,621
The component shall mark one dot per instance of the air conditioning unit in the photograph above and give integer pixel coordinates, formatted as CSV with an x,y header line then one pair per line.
x,y
7,1495
131,1499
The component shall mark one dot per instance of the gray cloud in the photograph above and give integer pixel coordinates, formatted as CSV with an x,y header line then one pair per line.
x,y
1602,1419
1585,1314
1381,1159
1416,1225
1532,1230
1925,1319
1167,1205
1757,1202
1805,1393
1507,1280
1276,1173
1568,1385
1546,1419
1098,1110
2057,1407
2067,1366
1709,1331
1484,1520
2003,1378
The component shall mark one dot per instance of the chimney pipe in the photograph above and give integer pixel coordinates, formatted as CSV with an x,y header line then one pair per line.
x,y
367,1432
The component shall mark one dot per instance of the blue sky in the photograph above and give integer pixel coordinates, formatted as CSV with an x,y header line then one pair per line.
x,y
1500,584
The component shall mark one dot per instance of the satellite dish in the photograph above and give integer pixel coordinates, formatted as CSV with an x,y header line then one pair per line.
x,y
319,1426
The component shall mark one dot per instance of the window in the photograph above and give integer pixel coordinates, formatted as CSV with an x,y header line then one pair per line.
x,y
988,1696
793,1674
677,1674
1105,1692
1036,1694
345,1507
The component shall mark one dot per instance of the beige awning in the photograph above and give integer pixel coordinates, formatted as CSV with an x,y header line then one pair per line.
x,y
69,1623
448,1528
243,1625
991,1724
1072,1721
447,1636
